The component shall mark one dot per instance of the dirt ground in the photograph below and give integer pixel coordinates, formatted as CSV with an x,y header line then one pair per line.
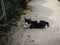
x,y
48,10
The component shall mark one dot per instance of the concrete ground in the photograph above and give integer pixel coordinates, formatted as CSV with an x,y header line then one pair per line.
x,y
48,10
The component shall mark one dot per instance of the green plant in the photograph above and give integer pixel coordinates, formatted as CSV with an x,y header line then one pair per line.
x,y
19,11
14,9
23,3
4,28
58,0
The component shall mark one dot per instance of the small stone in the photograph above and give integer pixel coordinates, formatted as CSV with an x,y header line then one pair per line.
x,y
32,40
29,36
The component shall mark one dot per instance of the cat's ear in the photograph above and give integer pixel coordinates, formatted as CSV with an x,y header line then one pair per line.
x,y
30,19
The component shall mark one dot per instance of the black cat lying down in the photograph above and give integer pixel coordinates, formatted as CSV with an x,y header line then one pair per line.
x,y
36,24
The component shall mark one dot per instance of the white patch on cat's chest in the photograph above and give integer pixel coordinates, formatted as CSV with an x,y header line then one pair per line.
x,y
38,21
26,25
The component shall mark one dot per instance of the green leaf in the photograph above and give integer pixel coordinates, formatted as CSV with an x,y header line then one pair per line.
x,y
20,11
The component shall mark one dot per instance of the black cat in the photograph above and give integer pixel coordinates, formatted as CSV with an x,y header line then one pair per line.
x,y
36,24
